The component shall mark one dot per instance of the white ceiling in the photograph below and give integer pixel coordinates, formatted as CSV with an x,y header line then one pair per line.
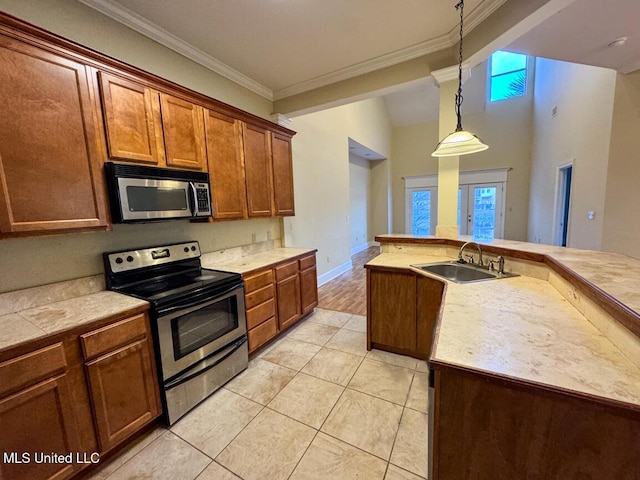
x,y
279,48
581,33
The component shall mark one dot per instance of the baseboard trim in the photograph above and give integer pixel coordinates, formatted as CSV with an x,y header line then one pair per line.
x,y
333,273
363,246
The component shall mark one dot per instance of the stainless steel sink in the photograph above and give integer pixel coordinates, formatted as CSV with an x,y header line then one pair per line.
x,y
462,272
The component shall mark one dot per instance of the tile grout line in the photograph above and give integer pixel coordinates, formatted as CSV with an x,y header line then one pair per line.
x,y
137,453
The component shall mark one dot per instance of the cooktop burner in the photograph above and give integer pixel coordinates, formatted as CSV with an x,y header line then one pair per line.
x,y
160,274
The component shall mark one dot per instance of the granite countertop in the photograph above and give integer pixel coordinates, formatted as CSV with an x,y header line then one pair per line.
x,y
249,263
610,272
37,312
40,321
523,328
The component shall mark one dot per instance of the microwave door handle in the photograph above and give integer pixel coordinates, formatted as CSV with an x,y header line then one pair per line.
x,y
194,199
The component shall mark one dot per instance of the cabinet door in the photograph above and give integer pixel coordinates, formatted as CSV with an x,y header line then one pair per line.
x,y
38,420
226,165
122,386
37,413
308,284
50,176
132,120
392,310
257,161
282,175
288,292
183,127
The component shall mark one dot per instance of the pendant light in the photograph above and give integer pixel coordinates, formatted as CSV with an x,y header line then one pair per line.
x,y
459,142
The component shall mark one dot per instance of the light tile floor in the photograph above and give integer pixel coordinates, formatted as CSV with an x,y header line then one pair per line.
x,y
314,405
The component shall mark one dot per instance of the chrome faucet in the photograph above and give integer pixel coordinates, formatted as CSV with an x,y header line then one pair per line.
x,y
462,260
500,261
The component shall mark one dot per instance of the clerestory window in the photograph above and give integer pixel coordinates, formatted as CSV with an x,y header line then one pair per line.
x,y
508,75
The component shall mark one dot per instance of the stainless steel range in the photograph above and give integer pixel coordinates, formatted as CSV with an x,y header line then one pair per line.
x,y
197,316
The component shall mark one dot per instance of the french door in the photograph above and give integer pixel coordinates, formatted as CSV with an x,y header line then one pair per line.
x,y
421,210
480,210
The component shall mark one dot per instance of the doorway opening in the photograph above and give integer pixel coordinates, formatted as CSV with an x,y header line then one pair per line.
x,y
563,205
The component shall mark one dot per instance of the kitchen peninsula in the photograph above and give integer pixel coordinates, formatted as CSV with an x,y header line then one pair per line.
x,y
536,376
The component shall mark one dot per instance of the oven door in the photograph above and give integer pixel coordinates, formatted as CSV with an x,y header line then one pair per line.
x,y
148,199
197,329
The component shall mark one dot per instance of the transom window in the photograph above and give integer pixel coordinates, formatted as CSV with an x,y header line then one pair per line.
x,y
508,75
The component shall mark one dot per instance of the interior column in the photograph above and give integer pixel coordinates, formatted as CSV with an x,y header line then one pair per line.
x,y
448,167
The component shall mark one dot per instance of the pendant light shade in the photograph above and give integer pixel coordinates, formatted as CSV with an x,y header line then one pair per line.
x,y
459,142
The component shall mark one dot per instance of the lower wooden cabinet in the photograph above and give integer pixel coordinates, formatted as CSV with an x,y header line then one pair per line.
x,y
278,297
122,383
83,394
288,293
402,308
308,283
37,415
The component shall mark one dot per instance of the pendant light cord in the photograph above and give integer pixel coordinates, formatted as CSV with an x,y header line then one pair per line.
x,y
459,6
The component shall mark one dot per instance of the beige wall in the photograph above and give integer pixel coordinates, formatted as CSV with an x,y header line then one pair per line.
x,y
505,126
359,200
84,25
321,176
579,132
31,261
622,215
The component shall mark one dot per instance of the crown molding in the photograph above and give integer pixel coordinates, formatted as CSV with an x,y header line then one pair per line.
x,y
475,18
451,73
368,66
145,27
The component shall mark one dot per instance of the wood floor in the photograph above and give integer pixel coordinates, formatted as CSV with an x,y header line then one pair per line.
x,y
347,292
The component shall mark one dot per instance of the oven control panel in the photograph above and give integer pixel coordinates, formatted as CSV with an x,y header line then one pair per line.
x,y
147,257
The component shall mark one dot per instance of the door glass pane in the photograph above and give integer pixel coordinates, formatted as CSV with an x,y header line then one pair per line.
x,y
421,205
484,213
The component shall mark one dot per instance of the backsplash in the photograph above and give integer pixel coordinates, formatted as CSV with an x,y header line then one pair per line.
x,y
35,261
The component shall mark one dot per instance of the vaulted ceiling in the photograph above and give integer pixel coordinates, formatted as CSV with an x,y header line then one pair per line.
x,y
282,48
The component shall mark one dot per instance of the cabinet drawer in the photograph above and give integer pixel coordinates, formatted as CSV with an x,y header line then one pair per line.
x,y
260,335
113,336
257,281
259,296
286,270
28,369
259,314
308,262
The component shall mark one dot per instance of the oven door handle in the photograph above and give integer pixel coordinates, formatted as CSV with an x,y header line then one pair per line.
x,y
184,306
206,364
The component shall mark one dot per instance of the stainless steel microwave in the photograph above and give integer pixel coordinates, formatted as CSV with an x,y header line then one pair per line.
x,y
145,194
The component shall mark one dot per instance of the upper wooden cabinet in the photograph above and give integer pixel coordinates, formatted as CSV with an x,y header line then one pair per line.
x,y
66,109
183,127
257,161
226,165
282,174
49,164
143,125
132,120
